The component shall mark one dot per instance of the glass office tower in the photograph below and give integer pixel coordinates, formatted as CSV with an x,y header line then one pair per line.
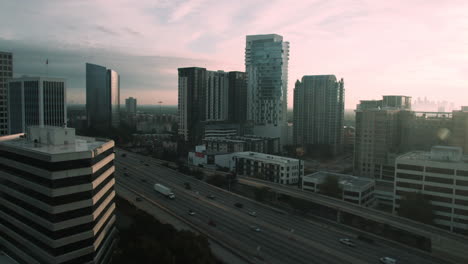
x,y
266,63
102,97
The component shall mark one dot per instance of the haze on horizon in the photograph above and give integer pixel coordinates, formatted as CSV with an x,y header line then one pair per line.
x,y
416,48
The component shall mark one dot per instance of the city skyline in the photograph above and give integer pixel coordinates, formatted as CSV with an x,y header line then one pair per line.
x,y
379,48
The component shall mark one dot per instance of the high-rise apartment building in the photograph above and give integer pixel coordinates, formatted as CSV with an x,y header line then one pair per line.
x,y
57,197
6,73
459,133
36,101
217,95
319,112
131,105
237,97
102,97
266,64
442,176
192,103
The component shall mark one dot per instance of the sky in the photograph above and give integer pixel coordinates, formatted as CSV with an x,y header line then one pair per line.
x,y
417,48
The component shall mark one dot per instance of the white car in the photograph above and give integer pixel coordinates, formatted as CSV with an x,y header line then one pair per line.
x,y
191,212
253,213
347,241
388,260
255,228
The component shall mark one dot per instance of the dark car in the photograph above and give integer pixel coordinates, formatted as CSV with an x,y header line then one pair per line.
x,y
146,164
123,155
187,186
238,205
365,239
143,180
212,223
210,196
125,174
138,199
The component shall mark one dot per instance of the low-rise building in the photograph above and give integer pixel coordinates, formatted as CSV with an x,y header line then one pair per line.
x,y
57,197
272,168
358,190
242,143
442,176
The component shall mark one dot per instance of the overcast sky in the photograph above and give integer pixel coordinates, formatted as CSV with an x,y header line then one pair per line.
x,y
412,47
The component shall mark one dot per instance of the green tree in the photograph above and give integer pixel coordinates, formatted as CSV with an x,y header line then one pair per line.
x,y
331,187
261,193
416,206
299,205
217,180
198,174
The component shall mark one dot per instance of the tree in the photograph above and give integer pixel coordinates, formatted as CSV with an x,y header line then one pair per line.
x,y
416,206
261,193
198,174
299,205
217,180
331,187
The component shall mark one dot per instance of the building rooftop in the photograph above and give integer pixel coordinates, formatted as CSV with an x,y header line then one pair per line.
x,y
439,154
264,157
344,179
35,143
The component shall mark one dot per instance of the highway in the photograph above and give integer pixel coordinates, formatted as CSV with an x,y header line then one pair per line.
x,y
283,238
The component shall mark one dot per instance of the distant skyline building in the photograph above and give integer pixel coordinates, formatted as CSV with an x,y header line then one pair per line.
x,y
57,197
131,105
6,73
36,101
266,64
319,112
102,97
237,97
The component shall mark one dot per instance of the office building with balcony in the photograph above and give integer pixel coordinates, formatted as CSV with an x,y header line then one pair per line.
x,y
268,167
36,101
6,73
57,197
102,97
442,176
356,190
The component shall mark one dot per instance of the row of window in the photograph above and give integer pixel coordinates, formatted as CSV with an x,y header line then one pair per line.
x,y
431,169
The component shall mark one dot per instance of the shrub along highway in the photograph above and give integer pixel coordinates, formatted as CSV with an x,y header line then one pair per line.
x,y
267,236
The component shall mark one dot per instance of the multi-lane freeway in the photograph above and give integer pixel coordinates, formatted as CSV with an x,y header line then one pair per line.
x,y
271,236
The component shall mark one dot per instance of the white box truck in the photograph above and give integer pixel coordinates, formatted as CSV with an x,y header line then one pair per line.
x,y
164,190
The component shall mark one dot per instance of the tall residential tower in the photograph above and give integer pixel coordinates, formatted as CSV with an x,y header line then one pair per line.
x,y
319,112
266,64
6,72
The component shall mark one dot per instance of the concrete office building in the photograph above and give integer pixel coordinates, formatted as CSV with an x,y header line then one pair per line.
x,y
442,175
237,97
319,112
57,197
131,105
217,95
36,101
102,97
268,167
356,190
266,64
6,73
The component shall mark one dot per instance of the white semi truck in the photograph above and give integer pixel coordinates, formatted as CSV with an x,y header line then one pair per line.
x,y
164,190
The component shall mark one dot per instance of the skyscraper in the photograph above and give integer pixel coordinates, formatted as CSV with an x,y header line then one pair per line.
x,y
217,89
130,105
57,197
36,101
237,97
102,97
266,64
192,103
6,72
319,112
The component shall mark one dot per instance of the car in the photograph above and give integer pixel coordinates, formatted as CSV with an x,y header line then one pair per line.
x,y
143,180
210,196
123,155
212,223
238,205
253,213
388,260
138,199
365,239
125,174
187,186
191,212
348,242
255,228
146,164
